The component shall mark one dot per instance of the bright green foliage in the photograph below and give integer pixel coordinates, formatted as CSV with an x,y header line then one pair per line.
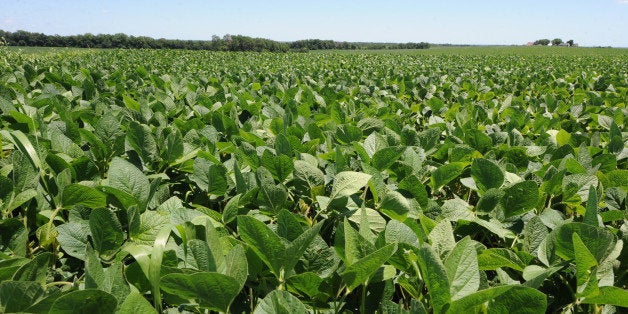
x,y
450,180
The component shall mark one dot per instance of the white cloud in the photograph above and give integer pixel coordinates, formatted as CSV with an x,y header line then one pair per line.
x,y
622,1
7,21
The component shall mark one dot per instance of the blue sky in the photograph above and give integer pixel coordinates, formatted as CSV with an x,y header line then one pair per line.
x,y
588,22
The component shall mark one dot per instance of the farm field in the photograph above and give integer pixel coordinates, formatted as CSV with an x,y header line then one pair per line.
x,y
446,180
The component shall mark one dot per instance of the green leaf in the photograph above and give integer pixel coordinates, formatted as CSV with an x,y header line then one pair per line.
x,y
271,196
173,147
106,231
590,216
21,199
201,255
395,206
263,241
295,249
307,283
210,290
355,245
94,273
585,261
35,270
494,258
150,223
361,270
14,236
125,177
141,139
503,299
486,174
609,295
520,198
136,303
235,265
535,275
599,241
21,141
17,296
210,177
279,302
73,238
279,166
348,182
442,238
77,194
462,269
435,276
445,173
385,157
84,301
533,233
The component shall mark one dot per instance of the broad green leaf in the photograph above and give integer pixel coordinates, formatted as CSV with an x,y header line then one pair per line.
x,y
609,295
77,194
435,276
348,182
212,291
84,301
355,246
201,255
462,269
106,231
143,142
14,236
361,270
21,141
35,270
17,296
296,248
136,303
585,261
279,302
263,241
150,223
494,258
279,166
446,173
520,198
73,238
235,265
21,199
535,275
385,157
442,238
307,283
486,174
94,272
271,196
395,206
590,216
154,265
126,177
533,233
173,147
503,299
599,241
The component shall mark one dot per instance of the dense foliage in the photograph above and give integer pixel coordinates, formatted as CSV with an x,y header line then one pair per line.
x,y
435,181
226,43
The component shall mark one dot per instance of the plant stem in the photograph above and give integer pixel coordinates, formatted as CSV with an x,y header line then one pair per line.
x,y
363,298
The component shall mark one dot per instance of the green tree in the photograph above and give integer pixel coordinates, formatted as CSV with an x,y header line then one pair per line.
x,y
557,42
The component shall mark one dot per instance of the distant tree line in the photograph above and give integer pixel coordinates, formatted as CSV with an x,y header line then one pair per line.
x,y
225,43
554,42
